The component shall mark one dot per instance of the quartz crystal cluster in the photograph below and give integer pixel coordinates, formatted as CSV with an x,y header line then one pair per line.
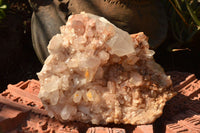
x,y
99,73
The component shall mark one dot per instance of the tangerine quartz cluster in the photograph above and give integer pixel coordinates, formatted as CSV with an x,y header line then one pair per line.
x,y
99,73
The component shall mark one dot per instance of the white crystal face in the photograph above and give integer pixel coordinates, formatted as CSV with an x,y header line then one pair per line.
x,y
98,73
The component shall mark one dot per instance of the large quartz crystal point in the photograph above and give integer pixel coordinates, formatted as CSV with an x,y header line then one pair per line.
x,y
98,73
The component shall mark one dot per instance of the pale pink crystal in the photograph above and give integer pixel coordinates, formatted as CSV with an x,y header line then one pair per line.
x,y
98,73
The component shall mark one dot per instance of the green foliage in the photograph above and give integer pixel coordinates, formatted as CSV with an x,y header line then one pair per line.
x,y
2,8
184,18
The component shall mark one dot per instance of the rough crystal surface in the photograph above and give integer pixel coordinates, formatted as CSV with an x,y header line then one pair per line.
x,y
99,73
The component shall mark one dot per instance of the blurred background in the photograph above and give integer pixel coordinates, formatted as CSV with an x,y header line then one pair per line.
x,y
17,57
18,62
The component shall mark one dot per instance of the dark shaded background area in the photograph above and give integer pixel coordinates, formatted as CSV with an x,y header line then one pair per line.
x,y
186,58
18,61
17,57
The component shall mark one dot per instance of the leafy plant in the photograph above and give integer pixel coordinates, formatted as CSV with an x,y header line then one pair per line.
x,y
2,8
184,18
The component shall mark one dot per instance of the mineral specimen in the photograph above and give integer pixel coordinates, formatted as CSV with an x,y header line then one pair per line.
x,y
98,73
